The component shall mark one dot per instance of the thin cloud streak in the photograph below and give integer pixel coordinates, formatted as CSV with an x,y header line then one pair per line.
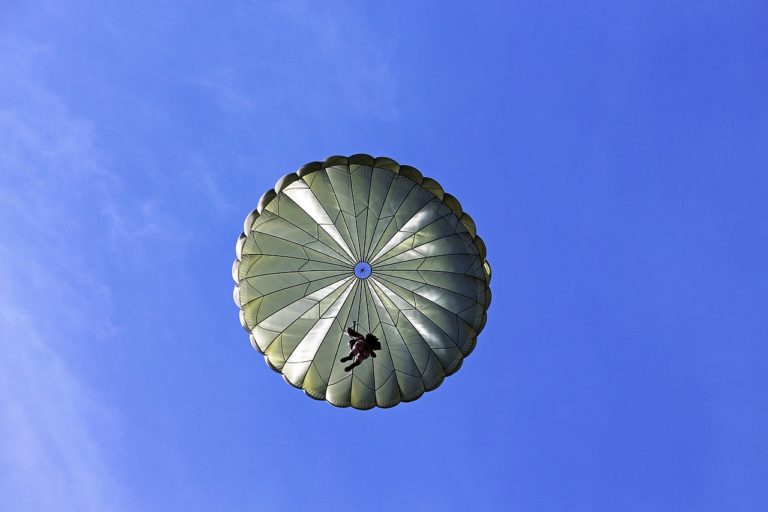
x,y
57,434
54,430
339,57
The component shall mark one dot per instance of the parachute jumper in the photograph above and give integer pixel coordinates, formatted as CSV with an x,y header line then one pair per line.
x,y
360,347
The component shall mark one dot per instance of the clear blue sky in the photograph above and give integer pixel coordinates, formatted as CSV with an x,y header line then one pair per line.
x,y
613,154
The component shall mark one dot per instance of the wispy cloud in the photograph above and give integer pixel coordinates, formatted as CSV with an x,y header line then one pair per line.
x,y
307,57
346,54
55,429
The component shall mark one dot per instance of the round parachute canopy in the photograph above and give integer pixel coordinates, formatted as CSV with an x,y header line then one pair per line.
x,y
365,240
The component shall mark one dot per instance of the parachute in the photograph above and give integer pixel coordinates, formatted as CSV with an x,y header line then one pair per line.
x,y
366,240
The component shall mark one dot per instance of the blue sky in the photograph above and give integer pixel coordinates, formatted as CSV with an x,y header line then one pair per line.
x,y
613,154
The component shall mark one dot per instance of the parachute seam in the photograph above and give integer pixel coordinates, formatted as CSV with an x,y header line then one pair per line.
x,y
315,237
296,319
354,211
330,187
302,246
390,272
354,374
364,250
301,340
346,322
389,354
383,202
283,289
341,212
479,279
429,319
387,273
376,256
407,348
441,217
393,217
394,214
346,268
298,271
415,248
399,315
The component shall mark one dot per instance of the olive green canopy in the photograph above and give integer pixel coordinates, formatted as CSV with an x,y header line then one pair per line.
x,y
421,284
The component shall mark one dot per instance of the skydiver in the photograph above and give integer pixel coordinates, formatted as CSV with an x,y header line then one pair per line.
x,y
360,347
